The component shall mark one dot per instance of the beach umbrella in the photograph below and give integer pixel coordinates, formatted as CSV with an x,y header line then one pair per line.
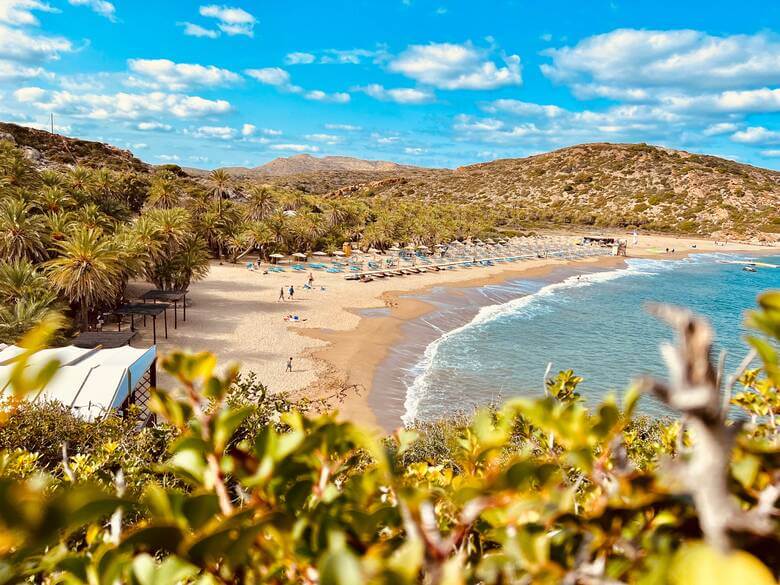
x,y
409,247
491,241
374,251
300,255
339,253
423,247
276,255
394,249
318,253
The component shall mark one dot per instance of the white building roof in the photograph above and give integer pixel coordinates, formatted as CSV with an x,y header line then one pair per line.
x,y
90,381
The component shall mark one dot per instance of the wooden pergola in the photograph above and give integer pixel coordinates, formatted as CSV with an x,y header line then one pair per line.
x,y
152,310
169,296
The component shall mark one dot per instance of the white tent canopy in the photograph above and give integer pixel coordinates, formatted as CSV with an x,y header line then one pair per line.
x,y
92,382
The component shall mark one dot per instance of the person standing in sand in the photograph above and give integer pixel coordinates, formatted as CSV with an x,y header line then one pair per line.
x,y
289,365
311,279
292,292
281,295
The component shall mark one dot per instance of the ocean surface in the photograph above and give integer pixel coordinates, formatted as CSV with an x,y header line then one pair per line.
x,y
490,343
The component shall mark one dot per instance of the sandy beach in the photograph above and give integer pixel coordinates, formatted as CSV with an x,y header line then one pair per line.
x,y
236,314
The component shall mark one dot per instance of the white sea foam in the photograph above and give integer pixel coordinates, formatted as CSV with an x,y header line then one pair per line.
x,y
419,387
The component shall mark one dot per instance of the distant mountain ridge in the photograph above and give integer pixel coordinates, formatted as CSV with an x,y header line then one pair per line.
x,y
306,163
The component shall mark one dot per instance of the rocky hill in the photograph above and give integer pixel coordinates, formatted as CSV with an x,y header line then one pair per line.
x,y
303,164
613,185
47,149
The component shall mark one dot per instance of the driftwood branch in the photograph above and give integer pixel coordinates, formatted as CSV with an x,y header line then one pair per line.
x,y
694,390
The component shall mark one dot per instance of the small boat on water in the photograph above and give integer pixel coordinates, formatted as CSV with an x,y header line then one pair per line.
x,y
749,268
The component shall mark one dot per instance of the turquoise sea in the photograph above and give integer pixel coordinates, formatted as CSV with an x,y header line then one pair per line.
x,y
490,343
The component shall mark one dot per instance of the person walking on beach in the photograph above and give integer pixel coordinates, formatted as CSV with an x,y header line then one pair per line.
x,y
281,295
311,279
292,292
289,365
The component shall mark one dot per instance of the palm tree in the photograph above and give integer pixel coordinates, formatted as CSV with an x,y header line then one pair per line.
x,y
21,231
20,279
19,317
260,202
191,262
163,191
87,270
219,185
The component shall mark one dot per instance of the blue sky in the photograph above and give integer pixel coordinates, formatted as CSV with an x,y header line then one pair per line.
x,y
428,82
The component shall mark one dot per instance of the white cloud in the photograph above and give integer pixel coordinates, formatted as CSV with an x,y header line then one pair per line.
x,y
299,58
756,135
771,153
101,7
345,127
220,132
150,126
682,59
230,20
401,95
272,132
452,66
195,30
320,96
295,147
326,138
168,157
720,128
20,12
129,106
280,78
163,73
10,71
248,129
275,76
18,45
29,94
384,140
416,151
352,56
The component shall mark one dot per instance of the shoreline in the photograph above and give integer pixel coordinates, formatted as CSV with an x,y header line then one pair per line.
x,y
346,328
353,357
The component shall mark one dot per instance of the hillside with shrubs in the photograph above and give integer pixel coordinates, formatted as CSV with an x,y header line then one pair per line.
x,y
615,185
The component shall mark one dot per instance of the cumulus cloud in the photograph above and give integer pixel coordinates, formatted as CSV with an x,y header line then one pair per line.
x,y
299,58
230,20
414,150
220,132
10,71
29,94
720,128
295,147
683,59
195,30
452,66
163,73
281,79
756,135
20,12
18,45
401,95
128,106
101,7
152,126
520,108
275,76
321,96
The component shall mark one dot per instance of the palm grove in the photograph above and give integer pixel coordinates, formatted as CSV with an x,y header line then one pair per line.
x,y
71,238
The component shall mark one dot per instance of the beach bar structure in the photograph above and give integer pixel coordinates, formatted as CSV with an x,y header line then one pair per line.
x,y
144,310
599,240
169,296
91,382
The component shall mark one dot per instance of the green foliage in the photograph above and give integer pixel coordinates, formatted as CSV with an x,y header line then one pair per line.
x,y
239,486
